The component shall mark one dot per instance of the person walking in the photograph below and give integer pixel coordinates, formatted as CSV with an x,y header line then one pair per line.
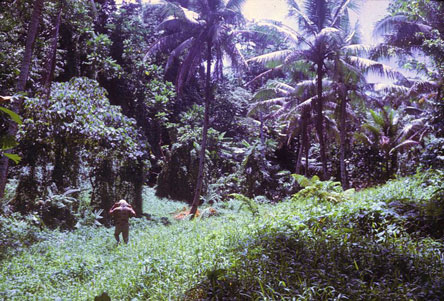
x,y
122,211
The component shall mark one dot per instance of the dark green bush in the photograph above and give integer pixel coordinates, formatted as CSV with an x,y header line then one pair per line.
x,y
75,139
433,154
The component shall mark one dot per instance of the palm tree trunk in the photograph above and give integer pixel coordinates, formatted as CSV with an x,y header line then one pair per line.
x,y
320,122
197,192
304,142
299,158
343,133
261,134
23,77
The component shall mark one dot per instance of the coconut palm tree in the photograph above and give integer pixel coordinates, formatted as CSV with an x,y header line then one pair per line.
x,y
326,42
293,107
202,33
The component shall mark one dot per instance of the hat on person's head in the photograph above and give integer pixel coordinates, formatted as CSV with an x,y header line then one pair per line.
x,y
123,203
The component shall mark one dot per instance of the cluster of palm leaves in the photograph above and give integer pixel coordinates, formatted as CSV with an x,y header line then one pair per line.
x,y
324,50
327,43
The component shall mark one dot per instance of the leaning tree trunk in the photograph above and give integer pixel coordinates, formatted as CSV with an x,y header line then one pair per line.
x,y
23,77
203,146
320,122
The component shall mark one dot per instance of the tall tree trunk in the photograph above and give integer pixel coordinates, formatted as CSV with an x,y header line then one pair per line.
x,y
51,62
261,134
342,134
299,158
138,187
307,150
23,77
320,122
198,190
304,140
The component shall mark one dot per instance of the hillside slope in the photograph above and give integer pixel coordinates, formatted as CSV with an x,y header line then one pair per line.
x,y
307,248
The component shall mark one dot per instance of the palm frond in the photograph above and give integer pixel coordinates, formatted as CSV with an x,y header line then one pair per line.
x,y
295,11
266,104
388,87
395,22
413,110
191,60
293,57
352,73
254,35
264,94
263,75
371,128
282,87
235,4
282,111
163,44
276,56
307,103
304,85
274,101
235,55
404,144
361,137
184,13
385,51
319,12
380,68
287,31
411,129
357,48
388,23
328,32
172,23
422,86
349,38
177,51
293,113
331,125
339,11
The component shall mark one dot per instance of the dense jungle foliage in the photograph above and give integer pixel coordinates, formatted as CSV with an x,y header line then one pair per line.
x,y
264,159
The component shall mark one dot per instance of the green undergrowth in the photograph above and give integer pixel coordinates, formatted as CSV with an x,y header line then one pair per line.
x,y
358,248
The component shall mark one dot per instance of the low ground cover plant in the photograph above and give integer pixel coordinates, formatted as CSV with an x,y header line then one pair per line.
x,y
360,247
